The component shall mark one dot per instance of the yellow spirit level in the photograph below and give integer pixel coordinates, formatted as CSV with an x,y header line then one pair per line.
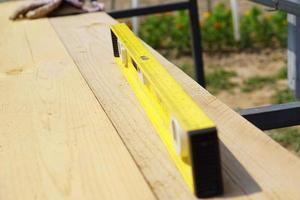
x,y
189,135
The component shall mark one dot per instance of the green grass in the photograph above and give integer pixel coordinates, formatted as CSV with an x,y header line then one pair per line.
x,y
282,73
257,82
220,80
287,137
283,96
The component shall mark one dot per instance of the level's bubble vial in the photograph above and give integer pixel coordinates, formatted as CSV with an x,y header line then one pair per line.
x,y
179,138
123,54
141,76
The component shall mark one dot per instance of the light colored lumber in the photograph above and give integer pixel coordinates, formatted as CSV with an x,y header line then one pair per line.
x,y
87,38
56,142
254,166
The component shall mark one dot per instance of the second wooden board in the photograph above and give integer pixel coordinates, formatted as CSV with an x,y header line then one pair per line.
x,y
56,142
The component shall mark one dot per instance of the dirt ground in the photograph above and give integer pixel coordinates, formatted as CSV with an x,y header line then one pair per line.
x,y
245,64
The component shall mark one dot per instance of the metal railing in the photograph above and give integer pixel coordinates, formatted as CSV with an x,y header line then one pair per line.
x,y
287,114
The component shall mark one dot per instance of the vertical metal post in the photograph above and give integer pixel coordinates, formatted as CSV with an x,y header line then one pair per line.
x,y
235,19
196,42
113,5
294,53
135,20
209,5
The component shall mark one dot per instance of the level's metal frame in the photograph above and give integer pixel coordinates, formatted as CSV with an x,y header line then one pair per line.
x,y
192,7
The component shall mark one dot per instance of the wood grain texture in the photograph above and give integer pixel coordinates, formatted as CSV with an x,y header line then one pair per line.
x,y
254,166
87,38
56,142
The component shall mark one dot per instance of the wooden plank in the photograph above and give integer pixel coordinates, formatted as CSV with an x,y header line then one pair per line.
x,y
56,142
90,45
254,166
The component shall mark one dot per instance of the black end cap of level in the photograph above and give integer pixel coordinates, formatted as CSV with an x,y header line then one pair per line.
x,y
206,164
114,40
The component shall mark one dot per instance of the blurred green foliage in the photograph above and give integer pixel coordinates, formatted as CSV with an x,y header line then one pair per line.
x,y
282,73
258,30
257,83
287,137
279,24
167,31
155,30
283,96
170,31
255,29
217,29
219,80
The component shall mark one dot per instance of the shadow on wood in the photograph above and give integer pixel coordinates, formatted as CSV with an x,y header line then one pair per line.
x,y
234,169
